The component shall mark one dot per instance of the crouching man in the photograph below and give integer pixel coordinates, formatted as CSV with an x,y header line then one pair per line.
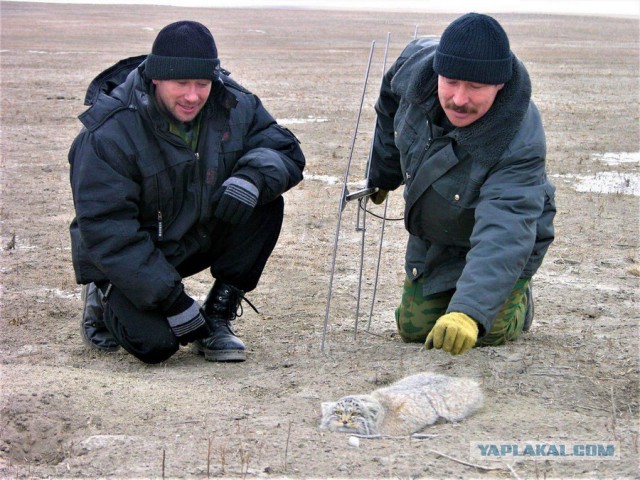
x,y
177,169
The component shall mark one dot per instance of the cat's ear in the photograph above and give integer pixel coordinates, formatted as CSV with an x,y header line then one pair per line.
x,y
327,408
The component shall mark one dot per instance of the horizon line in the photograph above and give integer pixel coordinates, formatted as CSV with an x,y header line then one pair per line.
x,y
615,8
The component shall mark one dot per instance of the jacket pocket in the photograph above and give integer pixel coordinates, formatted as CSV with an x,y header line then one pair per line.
x,y
445,212
405,136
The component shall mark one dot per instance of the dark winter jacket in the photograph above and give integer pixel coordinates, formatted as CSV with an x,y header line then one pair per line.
x,y
478,204
143,198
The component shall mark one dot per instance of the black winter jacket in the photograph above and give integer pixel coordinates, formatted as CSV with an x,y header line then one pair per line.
x,y
478,204
143,198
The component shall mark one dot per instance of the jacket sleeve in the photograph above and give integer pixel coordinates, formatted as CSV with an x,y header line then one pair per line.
x,y
385,170
273,152
510,205
106,195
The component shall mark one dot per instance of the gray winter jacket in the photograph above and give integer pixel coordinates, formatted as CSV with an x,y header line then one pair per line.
x,y
143,198
478,204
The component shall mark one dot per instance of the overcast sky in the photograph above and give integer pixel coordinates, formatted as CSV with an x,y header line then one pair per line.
x,y
587,7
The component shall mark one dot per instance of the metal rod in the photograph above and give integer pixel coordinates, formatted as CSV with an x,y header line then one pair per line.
x,y
363,229
362,206
384,68
366,192
343,196
375,282
386,204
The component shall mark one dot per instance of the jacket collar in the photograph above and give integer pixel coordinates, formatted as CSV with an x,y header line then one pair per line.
x,y
109,79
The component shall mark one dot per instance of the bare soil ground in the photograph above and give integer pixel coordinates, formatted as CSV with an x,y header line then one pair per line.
x,y
68,412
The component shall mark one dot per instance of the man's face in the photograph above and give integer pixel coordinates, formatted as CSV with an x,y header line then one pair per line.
x,y
183,99
465,102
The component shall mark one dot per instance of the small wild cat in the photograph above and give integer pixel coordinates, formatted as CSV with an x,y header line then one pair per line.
x,y
405,407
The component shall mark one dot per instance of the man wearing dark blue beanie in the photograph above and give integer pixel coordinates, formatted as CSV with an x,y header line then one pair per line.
x,y
456,125
183,50
177,169
474,48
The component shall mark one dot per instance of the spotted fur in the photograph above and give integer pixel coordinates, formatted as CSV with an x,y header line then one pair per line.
x,y
405,407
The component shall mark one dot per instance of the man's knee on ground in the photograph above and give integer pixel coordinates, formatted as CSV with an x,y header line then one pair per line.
x,y
410,331
153,344
417,314
154,349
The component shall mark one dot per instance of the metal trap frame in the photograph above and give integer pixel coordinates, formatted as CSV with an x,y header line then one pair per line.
x,y
362,197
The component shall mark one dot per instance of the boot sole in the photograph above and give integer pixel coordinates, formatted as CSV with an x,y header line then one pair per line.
x,y
220,355
529,312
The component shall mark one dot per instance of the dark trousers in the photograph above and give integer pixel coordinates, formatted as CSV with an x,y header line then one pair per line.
x,y
239,253
237,257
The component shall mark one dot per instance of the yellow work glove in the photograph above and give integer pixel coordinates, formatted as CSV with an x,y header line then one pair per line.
x,y
454,332
379,196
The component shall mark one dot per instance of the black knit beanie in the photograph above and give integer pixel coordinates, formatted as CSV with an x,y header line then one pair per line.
x,y
183,50
475,48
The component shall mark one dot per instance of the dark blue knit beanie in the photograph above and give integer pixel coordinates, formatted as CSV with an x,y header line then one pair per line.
x,y
183,50
475,48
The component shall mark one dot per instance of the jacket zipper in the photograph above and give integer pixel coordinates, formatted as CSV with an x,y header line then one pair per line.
x,y
160,224
198,191
183,144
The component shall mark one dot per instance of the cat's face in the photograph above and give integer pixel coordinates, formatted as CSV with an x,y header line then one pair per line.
x,y
352,414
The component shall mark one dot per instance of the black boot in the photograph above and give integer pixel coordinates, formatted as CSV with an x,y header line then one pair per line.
x,y
220,308
528,316
92,329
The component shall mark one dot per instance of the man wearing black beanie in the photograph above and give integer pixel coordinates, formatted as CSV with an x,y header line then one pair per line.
x,y
456,125
177,169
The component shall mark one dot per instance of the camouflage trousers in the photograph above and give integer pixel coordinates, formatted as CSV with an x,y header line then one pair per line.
x,y
417,314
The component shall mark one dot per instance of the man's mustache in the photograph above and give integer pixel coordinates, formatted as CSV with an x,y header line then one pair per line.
x,y
452,106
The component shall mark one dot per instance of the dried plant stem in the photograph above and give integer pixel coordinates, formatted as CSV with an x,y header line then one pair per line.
x,y
417,436
244,461
286,447
164,454
473,465
223,458
552,374
209,459
513,472
613,415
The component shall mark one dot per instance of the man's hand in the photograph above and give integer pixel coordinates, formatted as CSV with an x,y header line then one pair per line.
x,y
236,200
454,332
379,196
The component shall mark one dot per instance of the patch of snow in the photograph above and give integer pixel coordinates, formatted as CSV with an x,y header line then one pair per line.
x,y
328,179
605,182
618,158
294,121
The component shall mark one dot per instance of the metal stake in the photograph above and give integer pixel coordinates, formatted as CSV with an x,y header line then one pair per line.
x,y
343,197
364,210
386,201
